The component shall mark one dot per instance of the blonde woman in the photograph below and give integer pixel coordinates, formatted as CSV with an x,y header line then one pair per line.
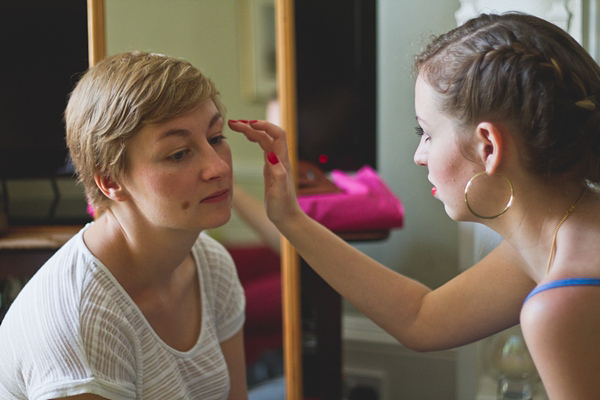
x,y
140,304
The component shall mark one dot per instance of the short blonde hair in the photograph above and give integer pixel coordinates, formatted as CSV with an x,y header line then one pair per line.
x,y
115,99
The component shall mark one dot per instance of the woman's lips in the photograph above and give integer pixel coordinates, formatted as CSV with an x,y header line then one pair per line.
x,y
217,197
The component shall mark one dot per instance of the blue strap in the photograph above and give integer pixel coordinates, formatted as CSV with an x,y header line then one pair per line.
x,y
563,283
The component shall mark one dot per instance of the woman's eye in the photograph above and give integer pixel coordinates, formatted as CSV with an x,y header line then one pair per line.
x,y
216,139
178,156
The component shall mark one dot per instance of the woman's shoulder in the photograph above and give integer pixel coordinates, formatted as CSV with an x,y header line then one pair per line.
x,y
561,328
559,309
64,271
71,280
55,308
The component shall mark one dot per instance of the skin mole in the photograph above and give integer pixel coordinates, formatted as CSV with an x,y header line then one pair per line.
x,y
185,205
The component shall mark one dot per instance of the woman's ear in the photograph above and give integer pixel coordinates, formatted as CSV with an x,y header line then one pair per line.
x,y
110,187
489,145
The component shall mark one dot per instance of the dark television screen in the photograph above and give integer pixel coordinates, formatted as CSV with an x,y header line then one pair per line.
x,y
44,50
336,82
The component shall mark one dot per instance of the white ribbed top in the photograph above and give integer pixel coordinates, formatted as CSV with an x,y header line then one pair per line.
x,y
73,329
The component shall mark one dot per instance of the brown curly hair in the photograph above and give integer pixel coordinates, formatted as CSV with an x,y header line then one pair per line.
x,y
530,75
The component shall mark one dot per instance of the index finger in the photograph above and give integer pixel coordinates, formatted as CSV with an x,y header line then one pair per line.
x,y
278,139
270,137
260,137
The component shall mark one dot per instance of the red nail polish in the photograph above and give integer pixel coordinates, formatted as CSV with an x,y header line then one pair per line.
x,y
235,121
272,158
243,121
253,121
433,191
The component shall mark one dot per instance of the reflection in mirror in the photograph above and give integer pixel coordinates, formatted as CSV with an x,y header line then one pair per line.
x,y
233,43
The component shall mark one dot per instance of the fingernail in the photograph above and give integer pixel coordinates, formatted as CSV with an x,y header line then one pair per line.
x,y
434,191
235,121
253,121
243,121
272,158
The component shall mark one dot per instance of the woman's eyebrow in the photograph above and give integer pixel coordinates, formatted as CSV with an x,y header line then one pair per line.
x,y
214,119
174,132
184,132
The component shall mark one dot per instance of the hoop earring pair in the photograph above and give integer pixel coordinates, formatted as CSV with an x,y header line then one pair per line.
x,y
508,204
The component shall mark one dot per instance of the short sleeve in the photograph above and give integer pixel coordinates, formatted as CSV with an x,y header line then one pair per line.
x,y
229,298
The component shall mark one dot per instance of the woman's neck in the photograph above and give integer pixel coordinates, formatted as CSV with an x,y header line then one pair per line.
x,y
532,222
139,255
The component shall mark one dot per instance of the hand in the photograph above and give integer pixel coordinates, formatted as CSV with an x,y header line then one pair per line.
x,y
280,197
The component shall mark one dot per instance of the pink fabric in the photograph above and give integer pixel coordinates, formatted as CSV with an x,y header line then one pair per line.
x,y
366,204
91,211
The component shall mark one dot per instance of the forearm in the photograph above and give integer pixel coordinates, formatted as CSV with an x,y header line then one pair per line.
x,y
469,307
388,298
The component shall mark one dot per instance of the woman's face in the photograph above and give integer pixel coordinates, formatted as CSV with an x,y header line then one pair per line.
x,y
179,173
439,151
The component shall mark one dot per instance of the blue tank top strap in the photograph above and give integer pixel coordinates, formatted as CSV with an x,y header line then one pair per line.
x,y
563,283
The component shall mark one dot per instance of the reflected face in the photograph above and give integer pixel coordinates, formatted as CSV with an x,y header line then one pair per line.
x,y
179,173
439,151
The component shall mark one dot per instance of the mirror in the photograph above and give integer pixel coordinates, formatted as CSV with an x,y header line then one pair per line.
x,y
220,38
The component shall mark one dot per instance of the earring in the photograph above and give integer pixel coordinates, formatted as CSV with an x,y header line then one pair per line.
x,y
512,196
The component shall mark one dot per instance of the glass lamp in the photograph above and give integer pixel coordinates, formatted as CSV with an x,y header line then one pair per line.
x,y
506,358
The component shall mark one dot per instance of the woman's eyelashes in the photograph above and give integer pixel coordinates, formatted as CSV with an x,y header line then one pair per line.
x,y
179,155
420,132
217,139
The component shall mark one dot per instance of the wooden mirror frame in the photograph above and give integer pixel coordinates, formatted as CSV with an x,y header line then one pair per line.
x,y
290,262
286,89
96,31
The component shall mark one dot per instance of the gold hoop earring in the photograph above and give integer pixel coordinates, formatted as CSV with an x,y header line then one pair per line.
x,y
512,196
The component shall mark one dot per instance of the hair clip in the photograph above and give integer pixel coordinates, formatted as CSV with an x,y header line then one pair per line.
x,y
587,104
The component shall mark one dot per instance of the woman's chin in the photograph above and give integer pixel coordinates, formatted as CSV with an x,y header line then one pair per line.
x,y
217,221
458,215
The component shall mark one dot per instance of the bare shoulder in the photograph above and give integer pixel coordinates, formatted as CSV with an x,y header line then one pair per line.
x,y
561,327
565,309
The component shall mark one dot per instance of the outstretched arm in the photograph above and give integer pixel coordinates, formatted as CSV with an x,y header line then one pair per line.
x,y
485,299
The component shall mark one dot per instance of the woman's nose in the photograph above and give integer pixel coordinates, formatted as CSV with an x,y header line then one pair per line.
x,y
215,165
420,156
